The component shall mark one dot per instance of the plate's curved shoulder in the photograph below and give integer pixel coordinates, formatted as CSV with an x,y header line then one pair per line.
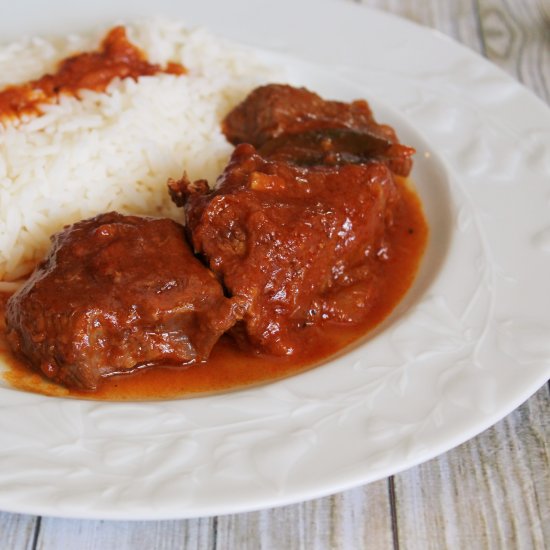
x,y
468,344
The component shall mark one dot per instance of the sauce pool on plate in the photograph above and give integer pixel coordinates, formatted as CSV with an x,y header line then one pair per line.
x,y
231,368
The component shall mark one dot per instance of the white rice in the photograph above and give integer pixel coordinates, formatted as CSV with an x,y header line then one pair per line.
x,y
114,150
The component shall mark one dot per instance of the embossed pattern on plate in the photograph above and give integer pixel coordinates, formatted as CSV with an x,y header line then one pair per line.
x,y
468,344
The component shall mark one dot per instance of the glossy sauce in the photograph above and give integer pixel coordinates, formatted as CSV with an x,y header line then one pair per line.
x,y
117,57
230,368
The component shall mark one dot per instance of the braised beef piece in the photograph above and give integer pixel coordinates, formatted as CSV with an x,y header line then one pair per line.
x,y
298,126
117,293
286,240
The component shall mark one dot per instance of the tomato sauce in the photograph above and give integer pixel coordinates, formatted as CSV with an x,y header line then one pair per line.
x,y
231,368
116,58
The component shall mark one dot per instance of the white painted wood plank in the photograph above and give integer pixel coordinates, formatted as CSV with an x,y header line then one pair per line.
x,y
515,35
517,38
493,492
64,534
16,531
349,520
455,18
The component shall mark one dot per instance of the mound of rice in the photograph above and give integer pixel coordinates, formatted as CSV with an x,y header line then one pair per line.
x,y
114,150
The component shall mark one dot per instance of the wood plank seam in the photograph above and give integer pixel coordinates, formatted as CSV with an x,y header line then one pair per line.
x,y
36,533
214,533
393,512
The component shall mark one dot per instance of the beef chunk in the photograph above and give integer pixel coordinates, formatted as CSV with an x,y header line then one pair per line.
x,y
286,239
117,293
294,124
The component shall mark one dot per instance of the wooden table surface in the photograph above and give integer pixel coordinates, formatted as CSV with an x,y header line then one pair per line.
x,y
491,492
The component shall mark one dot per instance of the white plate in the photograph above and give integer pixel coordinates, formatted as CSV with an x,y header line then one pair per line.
x,y
468,345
